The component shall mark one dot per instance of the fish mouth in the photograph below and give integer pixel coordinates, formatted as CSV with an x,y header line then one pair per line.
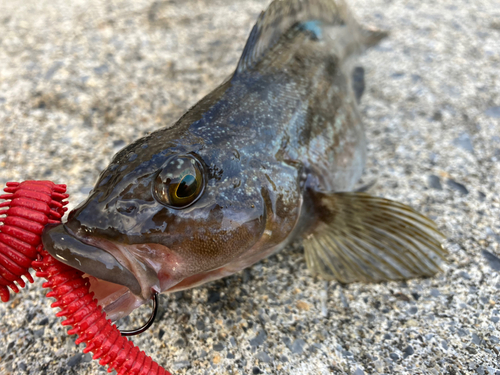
x,y
119,284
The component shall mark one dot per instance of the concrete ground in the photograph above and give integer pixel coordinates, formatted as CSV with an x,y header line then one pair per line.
x,y
81,79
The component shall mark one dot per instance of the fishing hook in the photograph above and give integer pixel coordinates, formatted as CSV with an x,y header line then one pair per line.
x,y
144,328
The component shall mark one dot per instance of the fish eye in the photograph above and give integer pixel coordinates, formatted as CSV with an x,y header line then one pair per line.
x,y
180,182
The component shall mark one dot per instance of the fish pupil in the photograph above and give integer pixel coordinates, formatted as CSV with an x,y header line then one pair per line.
x,y
187,187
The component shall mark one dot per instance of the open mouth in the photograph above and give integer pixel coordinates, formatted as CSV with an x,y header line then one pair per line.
x,y
118,288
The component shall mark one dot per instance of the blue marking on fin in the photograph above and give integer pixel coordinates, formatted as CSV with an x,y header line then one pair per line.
x,y
313,27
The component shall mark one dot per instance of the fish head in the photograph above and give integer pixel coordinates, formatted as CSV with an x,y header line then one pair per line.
x,y
162,215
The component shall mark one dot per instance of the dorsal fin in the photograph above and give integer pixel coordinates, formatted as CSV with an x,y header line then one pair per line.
x,y
281,15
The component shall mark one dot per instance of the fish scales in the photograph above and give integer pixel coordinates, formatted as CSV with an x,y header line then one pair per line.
x,y
269,157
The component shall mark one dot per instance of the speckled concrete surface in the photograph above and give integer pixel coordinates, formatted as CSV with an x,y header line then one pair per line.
x,y
80,79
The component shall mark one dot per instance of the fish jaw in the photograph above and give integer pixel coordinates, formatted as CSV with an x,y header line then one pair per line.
x,y
122,276
119,282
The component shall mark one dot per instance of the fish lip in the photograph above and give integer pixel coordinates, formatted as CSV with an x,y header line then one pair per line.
x,y
145,275
95,259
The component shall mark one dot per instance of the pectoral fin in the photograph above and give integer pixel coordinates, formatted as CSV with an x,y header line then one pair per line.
x,y
364,238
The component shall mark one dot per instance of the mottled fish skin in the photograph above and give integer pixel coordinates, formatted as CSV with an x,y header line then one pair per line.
x,y
284,124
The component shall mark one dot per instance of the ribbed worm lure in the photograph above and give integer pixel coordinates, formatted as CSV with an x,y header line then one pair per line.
x,y
28,207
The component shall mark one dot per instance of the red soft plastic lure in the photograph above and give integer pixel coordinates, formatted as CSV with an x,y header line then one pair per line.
x,y
29,206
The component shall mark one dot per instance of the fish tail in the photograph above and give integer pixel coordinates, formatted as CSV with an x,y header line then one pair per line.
x,y
331,20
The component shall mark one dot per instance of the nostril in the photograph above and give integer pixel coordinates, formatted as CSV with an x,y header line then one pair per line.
x,y
126,208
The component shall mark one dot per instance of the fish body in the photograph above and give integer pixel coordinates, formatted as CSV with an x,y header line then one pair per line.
x,y
263,160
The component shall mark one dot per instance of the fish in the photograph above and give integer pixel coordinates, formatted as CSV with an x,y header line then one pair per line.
x,y
269,157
